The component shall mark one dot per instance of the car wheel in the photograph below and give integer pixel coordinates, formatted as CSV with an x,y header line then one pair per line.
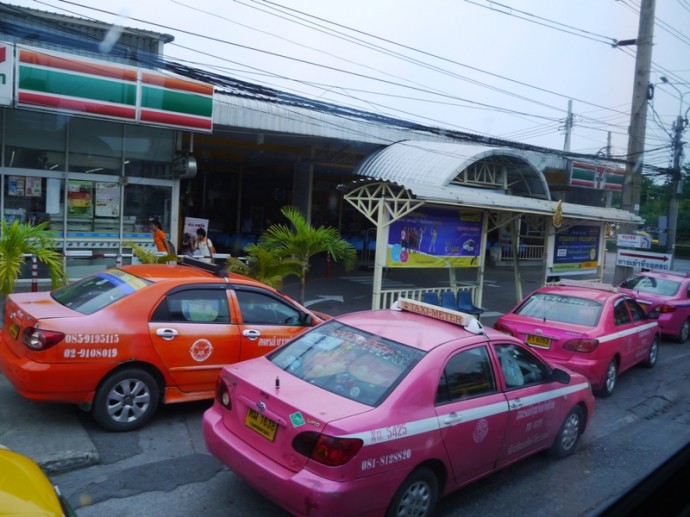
x,y
126,400
609,379
416,496
684,333
653,354
569,434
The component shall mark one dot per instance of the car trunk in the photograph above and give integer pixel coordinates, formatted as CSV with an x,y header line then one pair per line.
x,y
269,418
551,338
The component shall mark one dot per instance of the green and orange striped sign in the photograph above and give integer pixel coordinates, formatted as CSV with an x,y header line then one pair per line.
x,y
596,176
106,90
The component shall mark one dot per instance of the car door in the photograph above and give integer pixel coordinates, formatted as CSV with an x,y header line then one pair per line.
x,y
625,339
646,330
472,413
267,320
535,412
193,335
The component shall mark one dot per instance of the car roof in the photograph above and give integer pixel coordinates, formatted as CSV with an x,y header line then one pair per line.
x,y
669,275
166,272
412,329
600,294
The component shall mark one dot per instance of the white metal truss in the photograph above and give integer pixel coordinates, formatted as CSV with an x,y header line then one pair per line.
x,y
397,201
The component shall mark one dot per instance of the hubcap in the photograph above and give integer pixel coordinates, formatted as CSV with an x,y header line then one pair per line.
x,y
416,500
611,377
571,428
128,400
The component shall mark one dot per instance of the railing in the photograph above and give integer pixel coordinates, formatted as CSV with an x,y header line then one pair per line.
x,y
525,252
388,296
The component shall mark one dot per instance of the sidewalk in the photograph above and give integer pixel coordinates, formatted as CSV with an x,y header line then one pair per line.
x,y
52,434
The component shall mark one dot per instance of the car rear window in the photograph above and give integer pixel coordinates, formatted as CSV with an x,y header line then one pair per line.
x,y
93,293
565,309
347,361
651,285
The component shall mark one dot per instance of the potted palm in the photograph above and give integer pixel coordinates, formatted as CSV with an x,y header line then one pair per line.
x,y
20,239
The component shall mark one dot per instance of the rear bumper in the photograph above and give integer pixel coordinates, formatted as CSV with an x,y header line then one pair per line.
x,y
301,493
45,382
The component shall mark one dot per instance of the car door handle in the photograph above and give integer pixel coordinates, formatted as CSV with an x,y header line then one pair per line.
x,y
251,334
167,334
516,403
453,418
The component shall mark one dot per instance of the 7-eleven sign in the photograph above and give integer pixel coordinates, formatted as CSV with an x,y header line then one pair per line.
x,y
6,74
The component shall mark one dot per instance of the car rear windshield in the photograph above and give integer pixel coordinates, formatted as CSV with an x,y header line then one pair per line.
x,y
347,361
93,293
565,309
651,285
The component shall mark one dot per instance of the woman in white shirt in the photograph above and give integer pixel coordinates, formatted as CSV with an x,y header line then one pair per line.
x,y
204,245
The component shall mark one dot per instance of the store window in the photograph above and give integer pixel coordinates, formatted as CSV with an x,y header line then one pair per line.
x,y
148,152
95,146
35,140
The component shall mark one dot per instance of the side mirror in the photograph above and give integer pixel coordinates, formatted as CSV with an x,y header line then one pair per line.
x,y
306,319
560,376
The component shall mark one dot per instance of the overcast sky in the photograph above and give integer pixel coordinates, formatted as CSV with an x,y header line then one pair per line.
x,y
505,69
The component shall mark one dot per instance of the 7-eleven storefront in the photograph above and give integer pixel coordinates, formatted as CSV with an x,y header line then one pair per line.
x,y
94,148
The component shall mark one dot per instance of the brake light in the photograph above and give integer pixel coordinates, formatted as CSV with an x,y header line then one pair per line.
x,y
39,339
664,308
327,450
222,394
502,328
582,345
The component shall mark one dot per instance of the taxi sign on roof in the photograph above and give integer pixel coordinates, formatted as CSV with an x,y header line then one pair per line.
x,y
469,322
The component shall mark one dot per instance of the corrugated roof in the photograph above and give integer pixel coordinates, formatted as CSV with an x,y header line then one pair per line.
x,y
426,169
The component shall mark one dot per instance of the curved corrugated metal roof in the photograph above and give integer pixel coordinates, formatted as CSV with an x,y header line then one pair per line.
x,y
438,163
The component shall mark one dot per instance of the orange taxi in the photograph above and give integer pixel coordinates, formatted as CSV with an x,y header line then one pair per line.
x,y
120,342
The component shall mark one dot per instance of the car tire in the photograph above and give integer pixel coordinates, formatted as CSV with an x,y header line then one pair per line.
x,y
417,495
610,379
684,333
126,400
653,354
569,434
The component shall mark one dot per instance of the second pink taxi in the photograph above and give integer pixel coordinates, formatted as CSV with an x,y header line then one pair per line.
x,y
586,327
382,412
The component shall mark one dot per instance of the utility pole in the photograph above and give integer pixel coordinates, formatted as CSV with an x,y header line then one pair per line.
x,y
568,127
676,183
638,120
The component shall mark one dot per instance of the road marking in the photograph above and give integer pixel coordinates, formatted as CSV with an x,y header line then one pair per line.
x,y
323,298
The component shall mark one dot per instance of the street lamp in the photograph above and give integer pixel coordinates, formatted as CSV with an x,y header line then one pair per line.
x,y
676,181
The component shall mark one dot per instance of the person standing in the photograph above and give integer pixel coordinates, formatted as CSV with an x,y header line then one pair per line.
x,y
204,245
159,237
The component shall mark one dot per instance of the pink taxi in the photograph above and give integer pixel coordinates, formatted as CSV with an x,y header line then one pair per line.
x,y
587,327
382,412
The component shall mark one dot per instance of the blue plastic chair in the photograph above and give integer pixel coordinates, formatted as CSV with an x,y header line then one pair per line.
x,y
465,303
448,300
431,298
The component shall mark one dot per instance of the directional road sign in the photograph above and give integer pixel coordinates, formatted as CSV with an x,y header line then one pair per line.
x,y
644,260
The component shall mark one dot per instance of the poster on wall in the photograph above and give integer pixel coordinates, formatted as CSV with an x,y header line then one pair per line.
x,y
79,199
576,249
192,224
33,187
15,185
107,199
435,238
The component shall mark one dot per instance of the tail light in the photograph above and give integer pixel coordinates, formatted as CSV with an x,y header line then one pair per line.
x,y
327,450
582,345
663,308
39,339
222,394
502,328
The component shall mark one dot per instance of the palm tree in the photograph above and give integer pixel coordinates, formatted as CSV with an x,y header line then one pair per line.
x,y
20,239
150,257
265,266
301,241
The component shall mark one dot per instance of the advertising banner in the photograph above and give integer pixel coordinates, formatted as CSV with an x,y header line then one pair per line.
x,y
435,238
576,249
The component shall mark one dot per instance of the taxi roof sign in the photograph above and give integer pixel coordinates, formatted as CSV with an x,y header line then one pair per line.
x,y
469,322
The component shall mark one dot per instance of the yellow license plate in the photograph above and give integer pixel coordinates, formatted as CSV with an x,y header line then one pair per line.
x,y
14,330
261,424
538,341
